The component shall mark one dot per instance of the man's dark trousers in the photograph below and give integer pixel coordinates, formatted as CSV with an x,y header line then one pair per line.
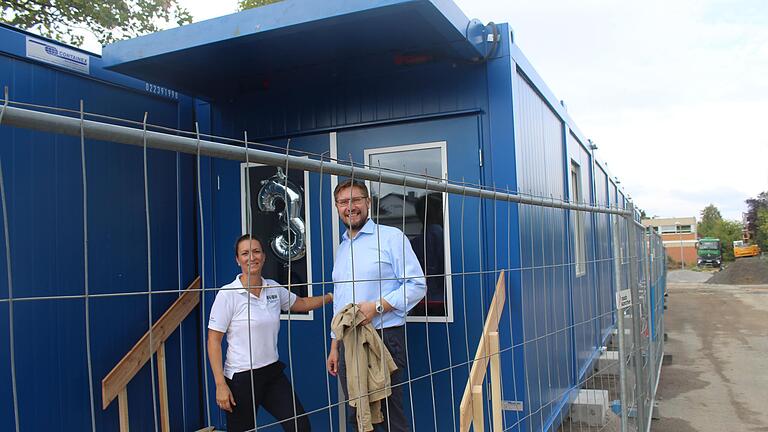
x,y
394,340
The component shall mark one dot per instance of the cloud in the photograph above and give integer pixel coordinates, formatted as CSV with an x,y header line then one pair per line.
x,y
681,203
674,93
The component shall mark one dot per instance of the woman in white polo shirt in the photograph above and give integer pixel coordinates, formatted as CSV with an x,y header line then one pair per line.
x,y
253,302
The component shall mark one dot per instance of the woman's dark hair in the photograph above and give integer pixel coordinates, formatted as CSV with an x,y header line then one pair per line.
x,y
245,237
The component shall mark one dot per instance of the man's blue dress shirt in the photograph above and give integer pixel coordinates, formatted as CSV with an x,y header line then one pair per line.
x,y
385,267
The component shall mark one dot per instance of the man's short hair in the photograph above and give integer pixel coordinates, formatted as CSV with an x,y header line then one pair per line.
x,y
350,183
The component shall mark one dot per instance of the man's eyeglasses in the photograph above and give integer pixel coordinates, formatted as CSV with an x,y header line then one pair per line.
x,y
355,201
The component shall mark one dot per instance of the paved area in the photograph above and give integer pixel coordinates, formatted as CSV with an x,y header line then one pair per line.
x,y
686,276
718,379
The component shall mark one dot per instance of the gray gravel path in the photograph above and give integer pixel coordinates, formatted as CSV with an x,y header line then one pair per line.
x,y
719,346
688,276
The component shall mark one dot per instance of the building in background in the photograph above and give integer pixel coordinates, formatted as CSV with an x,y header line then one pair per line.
x,y
679,236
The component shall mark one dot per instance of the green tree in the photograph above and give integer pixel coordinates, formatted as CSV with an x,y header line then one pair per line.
x,y
728,232
710,218
754,207
249,4
108,20
761,229
712,224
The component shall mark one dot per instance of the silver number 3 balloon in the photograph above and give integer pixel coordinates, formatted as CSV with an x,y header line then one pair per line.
x,y
278,194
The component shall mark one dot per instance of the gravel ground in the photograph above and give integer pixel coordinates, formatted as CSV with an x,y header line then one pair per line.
x,y
743,271
719,346
688,276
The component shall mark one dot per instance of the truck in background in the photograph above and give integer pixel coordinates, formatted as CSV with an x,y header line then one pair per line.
x,y
741,249
708,252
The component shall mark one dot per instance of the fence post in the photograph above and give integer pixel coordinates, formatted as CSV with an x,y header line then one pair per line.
x,y
637,336
620,321
478,417
162,376
649,296
498,424
122,402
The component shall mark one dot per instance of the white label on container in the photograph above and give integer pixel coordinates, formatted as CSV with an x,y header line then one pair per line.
x,y
51,53
511,405
623,299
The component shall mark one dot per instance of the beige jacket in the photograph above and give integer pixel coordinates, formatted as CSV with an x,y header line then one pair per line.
x,y
368,377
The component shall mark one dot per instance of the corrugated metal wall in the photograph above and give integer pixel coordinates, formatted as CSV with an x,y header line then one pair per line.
x,y
302,107
544,249
587,288
45,202
603,255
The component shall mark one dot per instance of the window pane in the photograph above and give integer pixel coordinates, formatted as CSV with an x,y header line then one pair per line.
x,y
419,215
393,203
580,255
268,184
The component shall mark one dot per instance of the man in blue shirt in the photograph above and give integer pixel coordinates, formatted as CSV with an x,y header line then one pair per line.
x,y
376,269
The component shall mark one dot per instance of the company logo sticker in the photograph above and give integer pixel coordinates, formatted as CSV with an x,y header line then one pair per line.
x,y
66,58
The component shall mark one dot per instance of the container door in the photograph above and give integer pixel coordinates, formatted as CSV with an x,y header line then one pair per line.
x,y
432,222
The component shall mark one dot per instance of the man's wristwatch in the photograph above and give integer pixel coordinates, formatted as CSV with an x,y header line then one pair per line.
x,y
379,307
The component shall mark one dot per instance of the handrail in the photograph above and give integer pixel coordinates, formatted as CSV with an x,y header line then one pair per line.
x,y
99,131
471,407
114,384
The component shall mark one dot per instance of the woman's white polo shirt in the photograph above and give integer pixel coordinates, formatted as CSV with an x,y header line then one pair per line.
x,y
230,315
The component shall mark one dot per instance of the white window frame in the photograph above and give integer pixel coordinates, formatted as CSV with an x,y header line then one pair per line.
x,y
579,236
310,316
441,145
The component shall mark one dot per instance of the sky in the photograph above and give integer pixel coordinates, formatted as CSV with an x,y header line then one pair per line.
x,y
673,93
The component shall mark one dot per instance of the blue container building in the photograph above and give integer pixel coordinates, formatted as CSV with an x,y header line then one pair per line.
x,y
384,82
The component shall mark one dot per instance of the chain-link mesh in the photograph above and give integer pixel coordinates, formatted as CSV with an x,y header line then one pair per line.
x,y
579,323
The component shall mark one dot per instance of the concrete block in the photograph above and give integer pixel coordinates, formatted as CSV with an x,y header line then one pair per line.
x,y
666,360
615,331
613,341
590,407
607,363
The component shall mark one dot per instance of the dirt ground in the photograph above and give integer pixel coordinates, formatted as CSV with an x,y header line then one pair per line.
x,y
743,271
718,339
